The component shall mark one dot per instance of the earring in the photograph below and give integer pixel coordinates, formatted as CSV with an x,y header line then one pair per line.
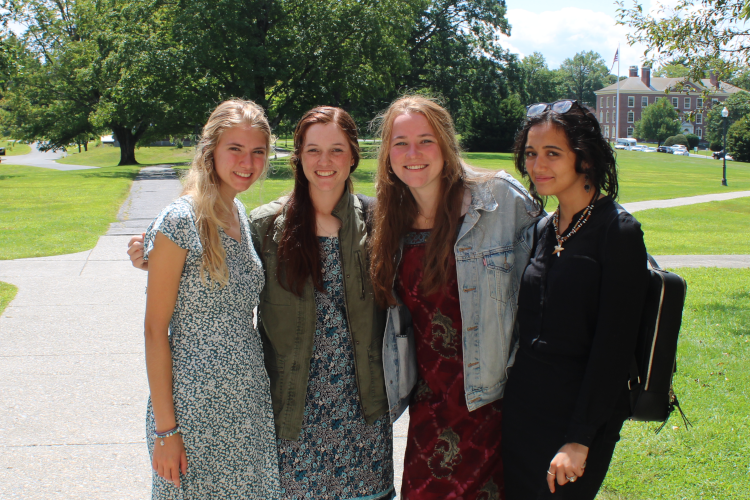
x,y
587,186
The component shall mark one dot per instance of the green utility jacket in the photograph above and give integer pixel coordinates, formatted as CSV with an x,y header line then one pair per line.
x,y
287,322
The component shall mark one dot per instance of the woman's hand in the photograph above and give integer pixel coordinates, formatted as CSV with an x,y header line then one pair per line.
x,y
135,251
568,465
170,459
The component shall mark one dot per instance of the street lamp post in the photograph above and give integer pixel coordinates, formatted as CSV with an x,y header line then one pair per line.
x,y
725,114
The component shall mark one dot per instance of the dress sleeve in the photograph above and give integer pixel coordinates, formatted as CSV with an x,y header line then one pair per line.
x,y
622,295
176,222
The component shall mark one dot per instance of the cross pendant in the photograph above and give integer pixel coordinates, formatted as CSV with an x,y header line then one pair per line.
x,y
558,250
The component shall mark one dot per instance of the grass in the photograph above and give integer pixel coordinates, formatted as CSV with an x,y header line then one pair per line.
x,y
14,148
109,156
49,212
715,228
710,460
7,292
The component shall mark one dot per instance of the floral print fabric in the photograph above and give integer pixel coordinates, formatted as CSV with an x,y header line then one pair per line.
x,y
451,453
338,456
221,389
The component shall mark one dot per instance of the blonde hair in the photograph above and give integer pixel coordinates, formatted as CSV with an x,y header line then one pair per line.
x,y
202,182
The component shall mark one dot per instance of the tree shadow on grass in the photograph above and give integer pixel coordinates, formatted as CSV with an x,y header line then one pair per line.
x,y
4,177
111,175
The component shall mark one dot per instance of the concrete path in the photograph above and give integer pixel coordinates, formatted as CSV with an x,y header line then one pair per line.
x,y
42,159
679,202
73,383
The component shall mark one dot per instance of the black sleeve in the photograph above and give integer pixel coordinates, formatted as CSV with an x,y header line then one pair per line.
x,y
622,294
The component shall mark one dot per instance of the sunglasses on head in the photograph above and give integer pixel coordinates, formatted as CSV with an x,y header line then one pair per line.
x,y
559,107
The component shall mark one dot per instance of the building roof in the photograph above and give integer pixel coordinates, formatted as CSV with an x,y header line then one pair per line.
x,y
635,84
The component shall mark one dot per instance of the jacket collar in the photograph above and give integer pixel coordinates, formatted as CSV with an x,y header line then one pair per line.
x,y
481,194
342,211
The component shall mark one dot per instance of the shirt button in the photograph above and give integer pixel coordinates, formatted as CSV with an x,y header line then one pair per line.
x,y
347,276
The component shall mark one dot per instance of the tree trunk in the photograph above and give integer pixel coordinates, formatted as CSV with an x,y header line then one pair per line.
x,y
79,147
86,146
127,141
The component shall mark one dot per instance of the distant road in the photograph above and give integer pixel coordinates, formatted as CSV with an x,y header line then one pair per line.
x,y
43,160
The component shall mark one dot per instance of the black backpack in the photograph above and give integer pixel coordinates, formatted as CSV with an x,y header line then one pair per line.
x,y
651,395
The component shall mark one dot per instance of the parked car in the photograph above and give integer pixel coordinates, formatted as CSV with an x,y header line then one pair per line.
x,y
649,150
620,146
637,148
2,151
718,155
665,149
683,152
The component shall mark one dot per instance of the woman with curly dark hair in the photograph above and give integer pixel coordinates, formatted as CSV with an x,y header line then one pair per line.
x,y
579,309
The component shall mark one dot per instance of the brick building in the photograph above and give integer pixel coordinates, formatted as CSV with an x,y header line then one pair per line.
x,y
638,92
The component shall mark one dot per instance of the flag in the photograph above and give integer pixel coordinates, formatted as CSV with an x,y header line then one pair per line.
x,y
617,57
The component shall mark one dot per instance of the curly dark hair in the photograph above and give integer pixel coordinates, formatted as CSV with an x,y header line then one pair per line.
x,y
585,138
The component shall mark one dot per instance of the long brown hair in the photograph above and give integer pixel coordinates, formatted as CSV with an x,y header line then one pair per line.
x,y
396,208
298,255
202,182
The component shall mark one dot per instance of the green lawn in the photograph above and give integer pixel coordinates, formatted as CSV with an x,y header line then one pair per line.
x,y
7,292
716,228
109,156
710,460
49,212
13,148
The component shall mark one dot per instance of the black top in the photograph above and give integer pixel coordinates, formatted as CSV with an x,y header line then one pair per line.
x,y
581,311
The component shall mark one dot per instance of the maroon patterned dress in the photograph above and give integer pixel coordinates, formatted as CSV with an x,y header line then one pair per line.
x,y
451,453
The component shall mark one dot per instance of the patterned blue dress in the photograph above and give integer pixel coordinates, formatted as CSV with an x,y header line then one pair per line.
x,y
338,456
221,389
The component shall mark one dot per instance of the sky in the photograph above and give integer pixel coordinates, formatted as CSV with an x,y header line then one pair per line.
x,y
561,29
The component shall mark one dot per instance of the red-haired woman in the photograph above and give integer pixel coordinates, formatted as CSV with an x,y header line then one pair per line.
x,y
449,247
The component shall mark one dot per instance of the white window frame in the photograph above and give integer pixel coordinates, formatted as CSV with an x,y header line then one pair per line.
x,y
687,103
606,131
700,133
607,120
631,101
631,117
601,99
630,131
714,101
607,101
699,119
698,103
644,101
676,102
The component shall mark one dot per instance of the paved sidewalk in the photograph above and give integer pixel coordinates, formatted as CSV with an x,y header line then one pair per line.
x,y
43,159
679,202
72,375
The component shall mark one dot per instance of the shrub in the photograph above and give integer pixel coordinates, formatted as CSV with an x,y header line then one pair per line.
x,y
715,146
669,141
738,140
693,140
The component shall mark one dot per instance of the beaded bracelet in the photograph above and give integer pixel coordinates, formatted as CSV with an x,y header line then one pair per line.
x,y
164,435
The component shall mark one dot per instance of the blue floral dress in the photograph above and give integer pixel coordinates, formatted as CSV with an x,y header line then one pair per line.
x,y
220,386
338,456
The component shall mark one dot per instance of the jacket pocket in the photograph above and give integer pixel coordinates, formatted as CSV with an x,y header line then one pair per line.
x,y
501,280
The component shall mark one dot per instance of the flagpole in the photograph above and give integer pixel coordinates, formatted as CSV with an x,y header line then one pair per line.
x,y
617,109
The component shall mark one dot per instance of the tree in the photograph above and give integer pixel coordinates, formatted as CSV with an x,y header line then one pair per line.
x,y
493,126
673,70
88,68
706,34
693,140
676,139
738,140
738,106
658,121
541,83
584,74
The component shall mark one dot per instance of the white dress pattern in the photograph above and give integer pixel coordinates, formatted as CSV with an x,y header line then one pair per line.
x,y
220,385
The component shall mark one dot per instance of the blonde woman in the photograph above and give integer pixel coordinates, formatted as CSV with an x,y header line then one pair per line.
x,y
209,421
449,247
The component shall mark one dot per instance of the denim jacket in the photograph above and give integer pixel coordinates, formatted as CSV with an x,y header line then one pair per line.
x,y
492,250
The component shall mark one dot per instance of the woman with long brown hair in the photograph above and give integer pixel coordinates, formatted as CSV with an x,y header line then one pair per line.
x,y
321,327
450,244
